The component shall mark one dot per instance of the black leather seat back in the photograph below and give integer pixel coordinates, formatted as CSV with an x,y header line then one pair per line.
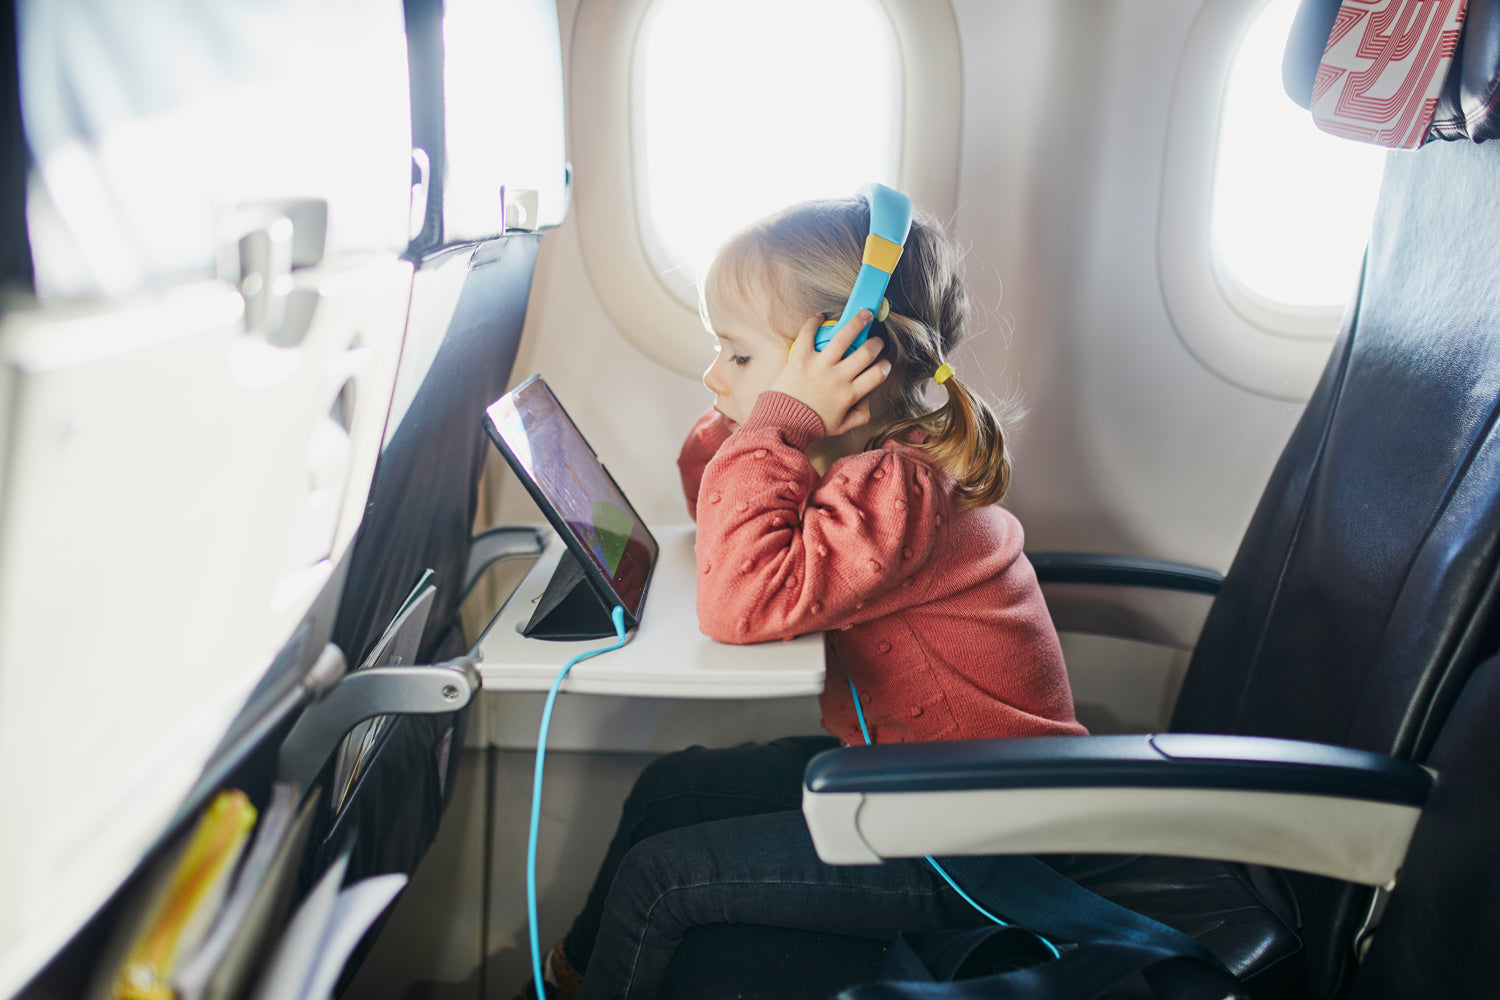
x,y
1437,937
1363,592
1354,595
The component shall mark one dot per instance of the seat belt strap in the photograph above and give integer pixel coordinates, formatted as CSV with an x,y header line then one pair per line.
x,y
1115,944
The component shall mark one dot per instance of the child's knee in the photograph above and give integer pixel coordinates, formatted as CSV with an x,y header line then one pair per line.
x,y
668,775
650,870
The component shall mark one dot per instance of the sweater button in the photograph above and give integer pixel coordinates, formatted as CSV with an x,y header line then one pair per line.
x,y
906,582
761,453
906,552
938,520
822,550
791,583
879,473
715,498
816,608
742,506
874,566
706,567
915,711
747,565
884,647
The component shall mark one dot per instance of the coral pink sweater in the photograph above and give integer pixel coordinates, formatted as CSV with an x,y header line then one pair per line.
x,y
933,611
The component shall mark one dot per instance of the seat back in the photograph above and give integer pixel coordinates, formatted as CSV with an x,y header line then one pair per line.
x,y
474,260
1435,937
1364,590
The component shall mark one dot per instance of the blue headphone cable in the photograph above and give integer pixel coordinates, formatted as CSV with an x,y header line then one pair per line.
x,y
859,712
617,616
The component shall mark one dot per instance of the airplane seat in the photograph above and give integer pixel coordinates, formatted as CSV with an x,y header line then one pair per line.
x,y
200,248
423,501
486,198
428,292
473,272
1361,598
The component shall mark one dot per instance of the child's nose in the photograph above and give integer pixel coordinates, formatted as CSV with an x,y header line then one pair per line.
x,y
714,380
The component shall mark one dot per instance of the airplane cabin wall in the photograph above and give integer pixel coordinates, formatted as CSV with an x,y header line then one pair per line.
x,y
1128,444
1131,445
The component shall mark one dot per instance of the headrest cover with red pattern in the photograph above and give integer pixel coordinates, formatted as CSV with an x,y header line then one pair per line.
x,y
1398,73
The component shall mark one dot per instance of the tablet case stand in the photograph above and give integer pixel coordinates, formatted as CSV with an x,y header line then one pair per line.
x,y
569,608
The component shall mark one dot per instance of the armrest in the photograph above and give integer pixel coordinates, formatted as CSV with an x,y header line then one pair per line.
x,y
1306,806
1150,600
364,694
1124,571
497,545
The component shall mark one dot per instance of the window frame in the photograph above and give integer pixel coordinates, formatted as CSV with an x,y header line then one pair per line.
x,y
1264,347
638,299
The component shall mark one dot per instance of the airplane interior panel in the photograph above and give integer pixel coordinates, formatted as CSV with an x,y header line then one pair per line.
x,y
1065,429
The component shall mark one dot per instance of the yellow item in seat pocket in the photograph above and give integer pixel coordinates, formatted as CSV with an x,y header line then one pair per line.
x,y
186,909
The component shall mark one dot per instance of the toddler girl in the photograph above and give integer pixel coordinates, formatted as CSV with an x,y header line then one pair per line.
x,y
830,496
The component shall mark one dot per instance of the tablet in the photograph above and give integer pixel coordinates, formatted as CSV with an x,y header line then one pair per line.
x,y
606,538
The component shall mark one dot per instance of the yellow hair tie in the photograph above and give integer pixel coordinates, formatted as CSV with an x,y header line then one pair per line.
x,y
944,373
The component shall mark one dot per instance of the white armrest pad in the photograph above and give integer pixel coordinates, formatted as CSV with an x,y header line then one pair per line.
x,y
1348,838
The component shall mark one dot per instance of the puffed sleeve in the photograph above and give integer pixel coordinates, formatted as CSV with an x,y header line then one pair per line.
x,y
709,432
782,551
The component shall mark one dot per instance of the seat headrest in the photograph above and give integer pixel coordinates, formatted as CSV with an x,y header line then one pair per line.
x,y
1397,73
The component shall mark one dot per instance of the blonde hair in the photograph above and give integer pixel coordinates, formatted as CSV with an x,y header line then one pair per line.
x,y
804,259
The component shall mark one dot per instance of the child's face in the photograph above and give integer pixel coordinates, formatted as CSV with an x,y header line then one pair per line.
x,y
750,357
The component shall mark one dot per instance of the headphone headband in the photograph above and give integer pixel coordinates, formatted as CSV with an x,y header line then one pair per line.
x,y
890,222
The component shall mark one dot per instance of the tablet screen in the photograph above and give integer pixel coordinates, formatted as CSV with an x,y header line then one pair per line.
x,y
574,489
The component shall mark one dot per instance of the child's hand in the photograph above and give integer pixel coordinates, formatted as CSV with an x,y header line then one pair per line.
x,y
833,386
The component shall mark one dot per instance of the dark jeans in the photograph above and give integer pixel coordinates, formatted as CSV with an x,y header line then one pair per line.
x,y
717,837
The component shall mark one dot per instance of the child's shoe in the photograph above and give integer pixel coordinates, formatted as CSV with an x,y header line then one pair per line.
x,y
560,980
529,993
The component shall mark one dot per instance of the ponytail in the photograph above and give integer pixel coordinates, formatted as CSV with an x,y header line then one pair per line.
x,y
965,439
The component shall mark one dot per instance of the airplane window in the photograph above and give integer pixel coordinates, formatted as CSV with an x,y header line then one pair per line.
x,y
1291,205
688,119
740,109
493,141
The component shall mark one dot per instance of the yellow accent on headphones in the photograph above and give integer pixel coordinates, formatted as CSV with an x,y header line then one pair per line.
x,y
881,253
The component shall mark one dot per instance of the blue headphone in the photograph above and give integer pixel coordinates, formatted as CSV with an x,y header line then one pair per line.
x,y
890,221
